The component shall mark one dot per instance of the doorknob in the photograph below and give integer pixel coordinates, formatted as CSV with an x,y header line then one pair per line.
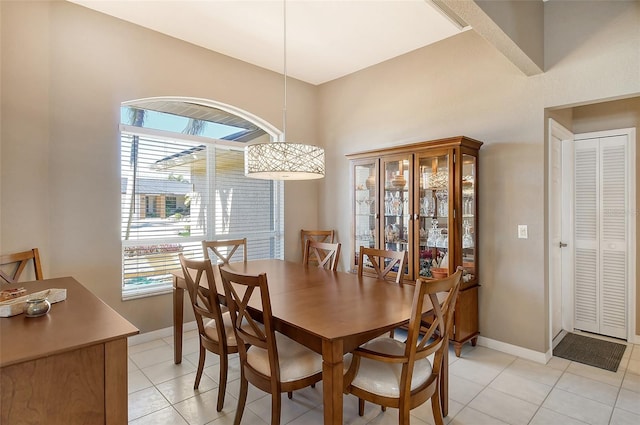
x,y
562,245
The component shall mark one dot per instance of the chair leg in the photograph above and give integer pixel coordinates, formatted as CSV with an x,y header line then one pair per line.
x,y
403,415
436,407
290,394
222,383
242,399
383,408
276,404
201,359
360,407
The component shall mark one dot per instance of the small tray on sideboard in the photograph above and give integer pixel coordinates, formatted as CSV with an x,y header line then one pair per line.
x,y
17,305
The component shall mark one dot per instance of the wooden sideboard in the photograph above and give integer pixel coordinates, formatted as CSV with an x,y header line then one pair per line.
x,y
68,366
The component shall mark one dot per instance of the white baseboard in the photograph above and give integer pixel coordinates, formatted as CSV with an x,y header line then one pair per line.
x,y
525,353
159,333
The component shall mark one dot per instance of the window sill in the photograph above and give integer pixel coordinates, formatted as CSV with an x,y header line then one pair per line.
x,y
136,293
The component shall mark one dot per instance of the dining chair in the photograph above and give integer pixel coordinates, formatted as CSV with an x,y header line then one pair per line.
x,y
326,236
18,262
224,250
269,360
383,262
215,330
399,374
327,254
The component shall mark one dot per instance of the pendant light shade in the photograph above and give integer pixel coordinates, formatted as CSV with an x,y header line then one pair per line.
x,y
283,160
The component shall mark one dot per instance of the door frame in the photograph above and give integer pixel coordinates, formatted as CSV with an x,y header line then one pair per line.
x,y
566,281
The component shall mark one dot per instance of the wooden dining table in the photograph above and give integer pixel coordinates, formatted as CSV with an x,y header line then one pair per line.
x,y
330,312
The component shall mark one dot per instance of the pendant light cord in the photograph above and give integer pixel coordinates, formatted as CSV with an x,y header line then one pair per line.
x,y
284,109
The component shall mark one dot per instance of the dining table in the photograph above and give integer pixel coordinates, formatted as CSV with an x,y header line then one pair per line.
x,y
331,312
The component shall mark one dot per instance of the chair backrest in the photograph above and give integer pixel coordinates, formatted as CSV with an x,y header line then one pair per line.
x,y
239,289
224,250
383,262
435,339
328,254
205,302
18,261
315,235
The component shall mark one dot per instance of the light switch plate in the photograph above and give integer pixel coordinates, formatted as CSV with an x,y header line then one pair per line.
x,y
522,231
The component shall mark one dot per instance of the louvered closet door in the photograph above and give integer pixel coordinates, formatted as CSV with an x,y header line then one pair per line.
x,y
587,266
601,232
613,236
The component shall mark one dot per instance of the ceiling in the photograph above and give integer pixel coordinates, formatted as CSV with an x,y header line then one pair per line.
x,y
325,39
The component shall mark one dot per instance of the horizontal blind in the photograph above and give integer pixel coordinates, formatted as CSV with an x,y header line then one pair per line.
x,y
177,193
246,207
164,202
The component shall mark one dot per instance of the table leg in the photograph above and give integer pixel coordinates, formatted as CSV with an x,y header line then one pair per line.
x,y
332,373
178,306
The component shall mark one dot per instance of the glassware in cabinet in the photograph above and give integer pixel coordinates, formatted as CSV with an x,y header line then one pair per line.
x,y
469,216
434,211
365,207
397,207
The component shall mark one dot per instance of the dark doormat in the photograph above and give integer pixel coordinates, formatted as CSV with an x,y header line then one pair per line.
x,y
590,351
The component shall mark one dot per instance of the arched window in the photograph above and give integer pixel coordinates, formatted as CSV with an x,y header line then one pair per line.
x,y
182,181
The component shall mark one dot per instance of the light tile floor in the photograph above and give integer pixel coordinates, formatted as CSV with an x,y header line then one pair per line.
x,y
486,387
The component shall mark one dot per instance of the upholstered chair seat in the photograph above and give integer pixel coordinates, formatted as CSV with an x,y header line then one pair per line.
x,y
296,361
384,378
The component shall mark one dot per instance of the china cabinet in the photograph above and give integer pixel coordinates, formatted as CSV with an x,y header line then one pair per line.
x,y
422,198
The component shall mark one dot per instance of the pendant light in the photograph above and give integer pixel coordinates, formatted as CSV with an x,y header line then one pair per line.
x,y
282,160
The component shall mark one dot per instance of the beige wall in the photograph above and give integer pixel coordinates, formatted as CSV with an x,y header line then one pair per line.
x,y
463,86
65,71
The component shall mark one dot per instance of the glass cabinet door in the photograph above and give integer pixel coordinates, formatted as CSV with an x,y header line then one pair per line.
x,y
469,217
397,206
434,208
365,207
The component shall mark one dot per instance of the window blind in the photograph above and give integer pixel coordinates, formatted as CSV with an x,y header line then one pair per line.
x,y
176,193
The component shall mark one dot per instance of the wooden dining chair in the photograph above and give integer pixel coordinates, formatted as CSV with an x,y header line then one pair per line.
x,y
269,360
327,254
325,236
383,262
215,330
16,263
398,374
225,250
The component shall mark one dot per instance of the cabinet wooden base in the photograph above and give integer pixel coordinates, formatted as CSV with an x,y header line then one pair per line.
x,y
465,320
457,345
